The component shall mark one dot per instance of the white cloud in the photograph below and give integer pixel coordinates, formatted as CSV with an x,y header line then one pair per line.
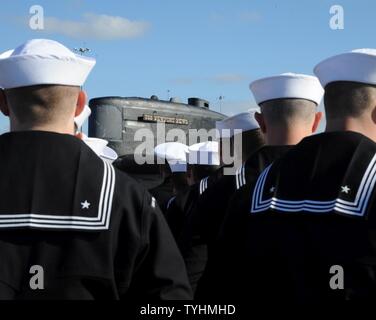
x,y
228,78
100,27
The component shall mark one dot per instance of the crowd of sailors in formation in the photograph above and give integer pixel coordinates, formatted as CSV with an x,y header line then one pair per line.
x,y
272,229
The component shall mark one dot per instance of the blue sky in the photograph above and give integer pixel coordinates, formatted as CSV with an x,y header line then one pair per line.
x,y
203,48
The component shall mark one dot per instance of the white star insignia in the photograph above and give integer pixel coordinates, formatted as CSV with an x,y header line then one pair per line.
x,y
85,205
345,189
153,202
272,189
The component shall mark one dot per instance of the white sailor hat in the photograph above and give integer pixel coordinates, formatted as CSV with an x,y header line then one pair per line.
x,y
43,62
204,153
81,119
175,153
355,66
287,85
99,146
108,154
4,55
244,121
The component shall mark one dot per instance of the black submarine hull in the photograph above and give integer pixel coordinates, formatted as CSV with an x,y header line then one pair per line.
x,y
117,119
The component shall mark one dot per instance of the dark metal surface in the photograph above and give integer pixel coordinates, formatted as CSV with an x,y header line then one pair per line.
x,y
117,119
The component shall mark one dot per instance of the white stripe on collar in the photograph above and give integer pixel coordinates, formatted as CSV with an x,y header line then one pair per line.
x,y
170,202
203,185
101,222
357,208
240,177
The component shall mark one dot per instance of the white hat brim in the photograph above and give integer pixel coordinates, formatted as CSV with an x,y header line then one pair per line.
x,y
241,122
287,86
82,118
109,154
355,66
30,70
204,153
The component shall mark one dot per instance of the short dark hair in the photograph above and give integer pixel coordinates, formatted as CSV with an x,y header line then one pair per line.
x,y
252,141
286,111
43,103
348,99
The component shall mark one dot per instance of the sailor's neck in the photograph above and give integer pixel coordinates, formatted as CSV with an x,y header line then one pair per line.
x,y
365,127
286,135
284,139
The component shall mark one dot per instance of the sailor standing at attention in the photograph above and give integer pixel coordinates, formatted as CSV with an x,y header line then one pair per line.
x,y
239,137
288,104
216,190
309,231
203,159
173,168
95,232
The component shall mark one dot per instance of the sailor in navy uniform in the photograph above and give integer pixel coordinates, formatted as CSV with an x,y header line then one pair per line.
x,y
163,192
95,232
239,136
173,169
212,207
314,209
203,159
216,190
288,105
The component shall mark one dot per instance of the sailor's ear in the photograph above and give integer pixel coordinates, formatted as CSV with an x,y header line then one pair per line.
x,y
3,103
373,115
260,120
81,102
317,121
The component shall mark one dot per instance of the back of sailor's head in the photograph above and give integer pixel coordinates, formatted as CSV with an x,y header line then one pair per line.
x,y
203,160
350,83
39,105
42,82
288,112
240,135
288,99
288,104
